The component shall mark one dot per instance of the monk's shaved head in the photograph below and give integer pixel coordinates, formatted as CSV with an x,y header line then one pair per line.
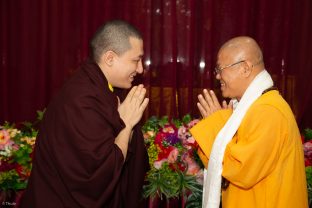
x,y
242,48
115,36
239,61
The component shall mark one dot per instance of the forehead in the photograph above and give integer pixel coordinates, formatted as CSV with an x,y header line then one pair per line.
x,y
136,46
224,56
228,55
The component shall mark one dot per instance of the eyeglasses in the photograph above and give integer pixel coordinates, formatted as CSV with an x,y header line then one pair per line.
x,y
218,70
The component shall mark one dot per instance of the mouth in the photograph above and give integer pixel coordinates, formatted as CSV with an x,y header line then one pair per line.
x,y
222,84
132,77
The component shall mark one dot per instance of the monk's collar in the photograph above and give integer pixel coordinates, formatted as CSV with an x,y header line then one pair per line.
x,y
110,87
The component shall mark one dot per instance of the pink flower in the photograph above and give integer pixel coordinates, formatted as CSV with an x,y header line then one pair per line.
x,y
307,147
148,134
173,155
182,131
192,166
191,140
192,123
200,177
158,164
187,140
168,129
4,137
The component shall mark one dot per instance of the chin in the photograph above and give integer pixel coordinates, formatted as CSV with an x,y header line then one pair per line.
x,y
127,86
124,85
224,94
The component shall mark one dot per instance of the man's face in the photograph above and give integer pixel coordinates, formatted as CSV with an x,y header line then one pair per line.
x,y
231,81
127,65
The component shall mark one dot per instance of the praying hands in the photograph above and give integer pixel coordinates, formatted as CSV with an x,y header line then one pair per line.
x,y
208,103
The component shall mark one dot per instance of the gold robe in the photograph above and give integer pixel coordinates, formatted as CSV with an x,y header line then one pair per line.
x,y
264,161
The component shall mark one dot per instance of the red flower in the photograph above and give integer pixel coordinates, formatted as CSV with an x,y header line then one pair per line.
x,y
164,153
5,166
307,162
159,139
20,171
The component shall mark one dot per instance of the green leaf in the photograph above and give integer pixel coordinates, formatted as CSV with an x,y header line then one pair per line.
x,y
162,182
187,119
40,114
308,134
309,182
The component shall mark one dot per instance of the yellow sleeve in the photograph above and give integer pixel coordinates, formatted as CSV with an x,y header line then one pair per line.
x,y
202,157
252,154
206,130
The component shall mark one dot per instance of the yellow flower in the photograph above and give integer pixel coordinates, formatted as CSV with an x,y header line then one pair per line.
x,y
13,132
29,140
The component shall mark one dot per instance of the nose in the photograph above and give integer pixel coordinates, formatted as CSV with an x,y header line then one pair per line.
x,y
139,67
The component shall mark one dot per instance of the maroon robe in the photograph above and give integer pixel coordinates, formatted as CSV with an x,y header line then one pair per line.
x,y
76,162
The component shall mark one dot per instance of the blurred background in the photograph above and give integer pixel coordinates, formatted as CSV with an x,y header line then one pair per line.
x,y
42,43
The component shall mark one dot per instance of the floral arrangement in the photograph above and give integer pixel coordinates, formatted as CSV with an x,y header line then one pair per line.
x,y
16,148
16,151
176,170
307,147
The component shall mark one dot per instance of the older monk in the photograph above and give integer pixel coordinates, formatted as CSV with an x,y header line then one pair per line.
x,y
254,152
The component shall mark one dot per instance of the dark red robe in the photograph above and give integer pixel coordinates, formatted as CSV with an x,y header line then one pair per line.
x,y
76,162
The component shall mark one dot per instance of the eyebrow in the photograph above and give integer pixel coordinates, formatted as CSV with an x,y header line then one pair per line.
x,y
139,56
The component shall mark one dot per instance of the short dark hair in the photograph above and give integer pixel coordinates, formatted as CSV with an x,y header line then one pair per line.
x,y
113,35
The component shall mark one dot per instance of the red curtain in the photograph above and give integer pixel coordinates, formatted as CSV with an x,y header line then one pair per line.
x,y
43,42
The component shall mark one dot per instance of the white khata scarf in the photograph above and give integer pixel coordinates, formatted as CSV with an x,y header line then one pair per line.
x,y
212,176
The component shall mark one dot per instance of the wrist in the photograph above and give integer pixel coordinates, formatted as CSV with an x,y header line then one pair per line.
x,y
128,127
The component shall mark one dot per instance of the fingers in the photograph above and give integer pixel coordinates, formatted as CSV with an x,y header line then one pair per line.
x,y
118,100
214,99
203,103
132,108
208,97
136,97
134,93
230,106
143,105
139,95
130,94
227,106
224,104
202,110
208,103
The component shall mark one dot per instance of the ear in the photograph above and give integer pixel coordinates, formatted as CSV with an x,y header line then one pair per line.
x,y
108,57
247,69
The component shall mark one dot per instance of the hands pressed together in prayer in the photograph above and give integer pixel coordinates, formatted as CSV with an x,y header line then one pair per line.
x,y
132,108
130,111
208,103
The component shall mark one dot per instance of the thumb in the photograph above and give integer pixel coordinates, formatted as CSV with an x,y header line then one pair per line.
x,y
224,104
118,100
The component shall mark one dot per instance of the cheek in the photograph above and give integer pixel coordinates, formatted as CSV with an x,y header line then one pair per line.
x,y
229,79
